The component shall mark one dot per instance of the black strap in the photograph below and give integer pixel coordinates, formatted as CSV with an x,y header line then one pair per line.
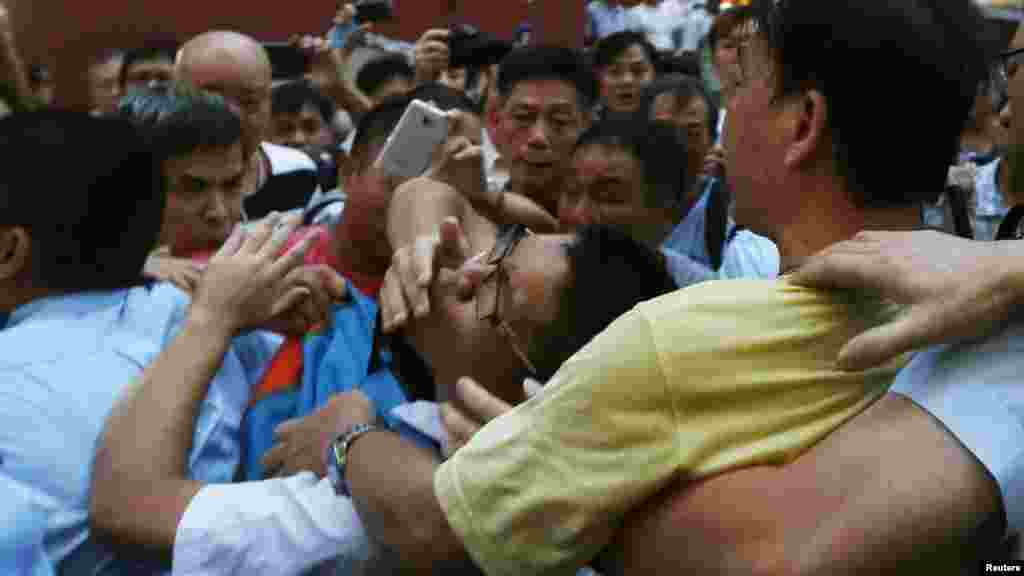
x,y
958,206
1010,228
716,223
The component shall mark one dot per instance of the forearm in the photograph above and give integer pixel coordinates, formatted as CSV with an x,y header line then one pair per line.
x,y
509,208
342,90
143,454
400,510
419,207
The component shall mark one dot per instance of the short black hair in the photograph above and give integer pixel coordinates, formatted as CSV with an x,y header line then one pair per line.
x,y
158,51
930,52
615,45
548,63
610,274
376,125
378,72
660,149
687,64
684,89
290,97
177,120
105,219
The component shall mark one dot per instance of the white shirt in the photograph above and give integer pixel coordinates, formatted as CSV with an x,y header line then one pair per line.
x,y
976,391
657,22
696,23
283,526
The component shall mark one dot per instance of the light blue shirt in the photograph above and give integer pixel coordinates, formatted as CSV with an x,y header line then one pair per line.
x,y
65,362
975,390
747,255
21,540
605,20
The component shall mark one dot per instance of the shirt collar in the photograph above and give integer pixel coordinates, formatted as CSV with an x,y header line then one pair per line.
x,y
62,305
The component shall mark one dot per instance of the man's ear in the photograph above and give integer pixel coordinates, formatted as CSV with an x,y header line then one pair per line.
x,y
806,120
15,252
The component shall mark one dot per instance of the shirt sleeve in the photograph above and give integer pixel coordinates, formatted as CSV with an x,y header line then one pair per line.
x,y
544,487
274,527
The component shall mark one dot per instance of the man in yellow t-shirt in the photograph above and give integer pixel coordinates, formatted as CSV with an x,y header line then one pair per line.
x,y
718,376
724,375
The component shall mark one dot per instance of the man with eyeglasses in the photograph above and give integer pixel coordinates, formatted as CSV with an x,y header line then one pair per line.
x,y
709,391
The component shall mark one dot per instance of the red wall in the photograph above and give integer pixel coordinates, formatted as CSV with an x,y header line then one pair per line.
x,y
65,34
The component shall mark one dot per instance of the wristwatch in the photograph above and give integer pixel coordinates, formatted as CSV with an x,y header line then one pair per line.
x,y
337,456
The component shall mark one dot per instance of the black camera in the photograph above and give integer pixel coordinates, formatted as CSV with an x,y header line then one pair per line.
x,y
470,48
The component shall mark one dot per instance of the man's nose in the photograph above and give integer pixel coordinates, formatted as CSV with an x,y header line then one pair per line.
x,y
539,137
216,208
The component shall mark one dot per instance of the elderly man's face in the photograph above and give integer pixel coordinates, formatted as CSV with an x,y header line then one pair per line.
x,y
244,81
204,199
537,125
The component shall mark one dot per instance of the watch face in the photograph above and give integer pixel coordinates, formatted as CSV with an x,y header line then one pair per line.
x,y
334,467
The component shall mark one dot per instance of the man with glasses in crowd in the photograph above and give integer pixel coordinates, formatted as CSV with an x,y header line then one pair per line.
x,y
518,313
682,388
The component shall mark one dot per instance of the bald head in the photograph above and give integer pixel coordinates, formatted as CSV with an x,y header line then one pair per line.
x,y
236,67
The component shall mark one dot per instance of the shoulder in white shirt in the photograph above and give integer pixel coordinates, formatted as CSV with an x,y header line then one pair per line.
x,y
975,391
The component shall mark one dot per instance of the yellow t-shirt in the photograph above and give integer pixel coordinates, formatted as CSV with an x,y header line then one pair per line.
x,y
718,376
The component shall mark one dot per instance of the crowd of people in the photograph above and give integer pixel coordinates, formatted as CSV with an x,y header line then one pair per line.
x,y
683,301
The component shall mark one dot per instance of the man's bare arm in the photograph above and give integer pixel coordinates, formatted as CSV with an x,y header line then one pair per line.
x,y
401,510
892,489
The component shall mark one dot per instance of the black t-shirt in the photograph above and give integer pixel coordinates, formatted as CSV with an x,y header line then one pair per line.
x,y
293,180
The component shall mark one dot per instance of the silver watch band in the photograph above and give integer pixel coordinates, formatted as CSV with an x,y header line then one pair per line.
x,y
338,455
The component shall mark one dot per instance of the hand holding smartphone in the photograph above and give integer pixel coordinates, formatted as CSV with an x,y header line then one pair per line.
x,y
411,146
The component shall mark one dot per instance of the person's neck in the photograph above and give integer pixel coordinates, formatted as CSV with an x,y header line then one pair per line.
x,y
834,218
352,256
14,295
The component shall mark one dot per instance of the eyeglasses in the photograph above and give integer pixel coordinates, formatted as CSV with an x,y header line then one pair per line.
x,y
488,297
